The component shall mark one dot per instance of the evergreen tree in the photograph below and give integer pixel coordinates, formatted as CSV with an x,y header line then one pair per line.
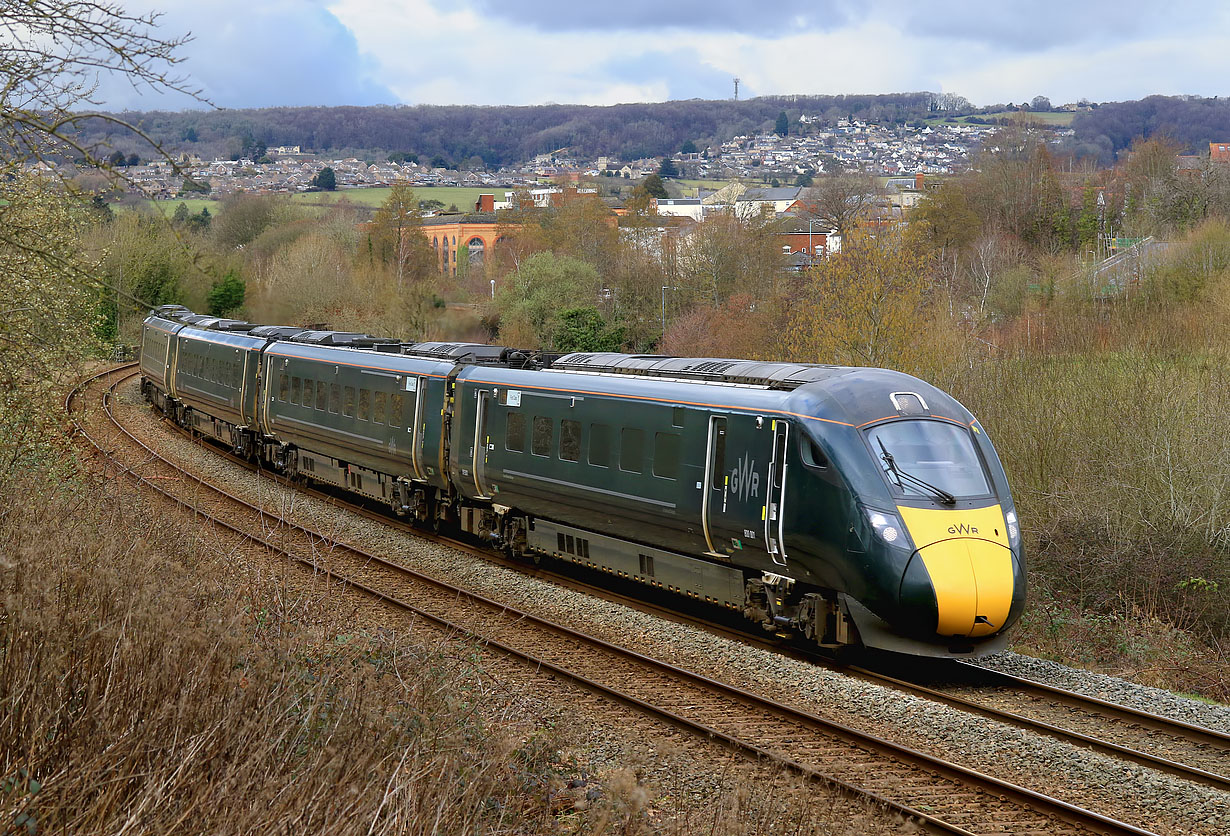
x,y
226,296
783,124
653,185
668,169
200,221
584,329
325,179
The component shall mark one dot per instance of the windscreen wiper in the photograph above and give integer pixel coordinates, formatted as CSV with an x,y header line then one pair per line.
x,y
902,477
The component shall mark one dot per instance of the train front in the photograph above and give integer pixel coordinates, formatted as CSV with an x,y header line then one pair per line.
x,y
932,526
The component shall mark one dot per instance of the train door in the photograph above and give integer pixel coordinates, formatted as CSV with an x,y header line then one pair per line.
x,y
775,495
416,392
739,489
715,479
481,444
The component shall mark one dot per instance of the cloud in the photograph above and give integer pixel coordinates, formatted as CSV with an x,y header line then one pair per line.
x,y
682,72
694,15
524,52
1030,26
261,54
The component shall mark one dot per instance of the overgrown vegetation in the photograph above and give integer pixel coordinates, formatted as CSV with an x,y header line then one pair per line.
x,y
148,682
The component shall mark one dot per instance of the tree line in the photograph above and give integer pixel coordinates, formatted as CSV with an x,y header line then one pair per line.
x,y
497,136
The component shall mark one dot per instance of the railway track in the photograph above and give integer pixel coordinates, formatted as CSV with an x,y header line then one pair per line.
x,y
946,796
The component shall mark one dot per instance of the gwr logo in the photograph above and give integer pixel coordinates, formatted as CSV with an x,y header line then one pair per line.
x,y
744,480
962,528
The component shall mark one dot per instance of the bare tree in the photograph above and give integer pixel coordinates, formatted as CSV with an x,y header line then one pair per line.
x,y
836,201
52,56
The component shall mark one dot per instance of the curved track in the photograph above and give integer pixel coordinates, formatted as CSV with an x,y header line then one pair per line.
x,y
945,796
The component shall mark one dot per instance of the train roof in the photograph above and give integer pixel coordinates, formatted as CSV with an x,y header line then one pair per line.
x,y
350,339
784,376
276,332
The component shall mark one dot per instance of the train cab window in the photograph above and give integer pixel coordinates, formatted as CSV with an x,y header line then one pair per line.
x,y
283,388
296,389
321,396
811,453
514,433
631,450
540,443
666,455
570,440
925,458
600,445
378,401
348,401
395,406
365,404
335,398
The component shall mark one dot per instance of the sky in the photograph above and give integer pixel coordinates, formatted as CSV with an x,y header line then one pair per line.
x,y
264,53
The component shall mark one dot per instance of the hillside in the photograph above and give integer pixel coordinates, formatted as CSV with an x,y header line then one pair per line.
x,y
496,136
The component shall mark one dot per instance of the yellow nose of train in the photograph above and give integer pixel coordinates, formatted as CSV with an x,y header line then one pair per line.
x,y
966,556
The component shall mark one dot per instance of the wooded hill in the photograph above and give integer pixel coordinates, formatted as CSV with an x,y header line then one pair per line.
x,y
498,136
476,136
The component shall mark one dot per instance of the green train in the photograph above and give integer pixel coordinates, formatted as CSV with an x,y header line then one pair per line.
x,y
852,506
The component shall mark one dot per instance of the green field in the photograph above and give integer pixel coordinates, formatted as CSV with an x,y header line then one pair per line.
x,y
463,198
195,205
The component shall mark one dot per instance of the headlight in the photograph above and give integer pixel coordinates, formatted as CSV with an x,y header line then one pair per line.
x,y
1014,529
888,528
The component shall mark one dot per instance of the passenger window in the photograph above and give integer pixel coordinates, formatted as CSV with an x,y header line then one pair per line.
x,y
600,445
514,433
348,401
541,443
321,396
666,455
677,416
365,404
395,402
570,440
335,398
283,388
378,401
631,450
296,387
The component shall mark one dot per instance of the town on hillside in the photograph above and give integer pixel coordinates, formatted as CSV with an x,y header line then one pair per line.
x,y
806,149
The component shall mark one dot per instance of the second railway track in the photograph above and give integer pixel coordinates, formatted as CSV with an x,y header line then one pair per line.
x,y
949,797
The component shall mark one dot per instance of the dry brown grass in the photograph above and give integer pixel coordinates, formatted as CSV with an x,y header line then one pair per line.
x,y
150,682
142,691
